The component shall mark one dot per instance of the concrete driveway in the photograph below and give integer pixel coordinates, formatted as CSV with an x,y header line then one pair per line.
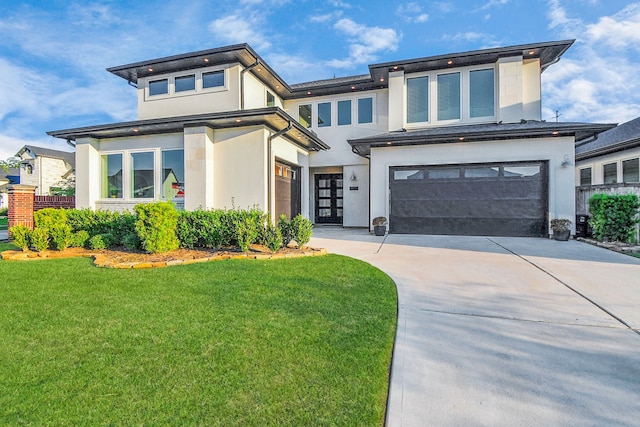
x,y
507,331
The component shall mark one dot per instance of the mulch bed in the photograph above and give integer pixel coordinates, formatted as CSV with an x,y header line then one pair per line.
x,y
122,258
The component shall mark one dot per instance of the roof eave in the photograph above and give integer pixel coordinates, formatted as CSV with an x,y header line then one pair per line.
x,y
632,143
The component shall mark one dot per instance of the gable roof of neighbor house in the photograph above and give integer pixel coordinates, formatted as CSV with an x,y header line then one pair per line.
x,y
272,117
479,132
548,53
622,137
36,151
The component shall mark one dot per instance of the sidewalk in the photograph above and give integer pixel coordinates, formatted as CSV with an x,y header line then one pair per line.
x,y
4,235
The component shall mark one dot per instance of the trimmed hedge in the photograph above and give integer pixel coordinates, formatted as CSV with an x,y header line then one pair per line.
x,y
614,217
156,226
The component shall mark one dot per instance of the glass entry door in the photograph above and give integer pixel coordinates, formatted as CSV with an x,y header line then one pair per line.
x,y
328,198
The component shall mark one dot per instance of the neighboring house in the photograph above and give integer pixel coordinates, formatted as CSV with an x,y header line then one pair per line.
x,y
7,178
444,144
45,168
608,163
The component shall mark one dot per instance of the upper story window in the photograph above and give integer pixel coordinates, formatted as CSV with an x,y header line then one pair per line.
x,y
585,176
271,100
324,114
365,110
185,83
304,115
418,99
213,79
344,112
481,93
610,173
631,170
449,96
158,87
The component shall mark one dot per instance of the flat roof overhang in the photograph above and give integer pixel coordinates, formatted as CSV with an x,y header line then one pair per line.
x,y
476,133
273,117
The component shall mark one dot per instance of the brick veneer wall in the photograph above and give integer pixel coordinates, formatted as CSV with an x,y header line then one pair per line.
x,y
42,202
21,205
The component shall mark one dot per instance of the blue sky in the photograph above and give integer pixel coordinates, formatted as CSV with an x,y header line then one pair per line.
x,y
53,54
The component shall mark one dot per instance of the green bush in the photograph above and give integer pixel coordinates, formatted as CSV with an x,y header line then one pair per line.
x,y
21,236
614,217
302,230
247,228
131,241
199,229
156,226
80,238
39,239
102,241
286,230
271,236
55,225
4,211
102,222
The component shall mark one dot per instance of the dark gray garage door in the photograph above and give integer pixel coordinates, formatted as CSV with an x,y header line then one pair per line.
x,y
496,199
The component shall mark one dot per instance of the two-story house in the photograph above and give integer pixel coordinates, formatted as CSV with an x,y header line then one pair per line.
x,y
444,144
44,167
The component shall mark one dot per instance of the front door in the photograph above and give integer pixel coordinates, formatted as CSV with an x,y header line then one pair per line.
x,y
328,198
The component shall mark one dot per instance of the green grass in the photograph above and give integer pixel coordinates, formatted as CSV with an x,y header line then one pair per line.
x,y
291,342
4,223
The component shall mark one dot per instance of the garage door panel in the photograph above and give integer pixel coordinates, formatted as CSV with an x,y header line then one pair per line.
x,y
473,202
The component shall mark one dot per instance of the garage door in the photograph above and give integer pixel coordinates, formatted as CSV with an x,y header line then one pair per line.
x,y
496,199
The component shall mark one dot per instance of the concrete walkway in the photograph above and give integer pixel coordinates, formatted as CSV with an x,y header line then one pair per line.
x,y
507,331
4,235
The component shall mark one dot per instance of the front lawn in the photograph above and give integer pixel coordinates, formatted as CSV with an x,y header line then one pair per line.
x,y
3,223
303,341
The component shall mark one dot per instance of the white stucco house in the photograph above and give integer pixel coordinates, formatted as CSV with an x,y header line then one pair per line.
x,y
447,144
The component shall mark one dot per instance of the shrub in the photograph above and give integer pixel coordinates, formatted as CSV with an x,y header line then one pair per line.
x,y
101,241
102,222
4,211
286,230
132,241
80,238
271,236
39,239
21,236
55,225
302,230
613,217
247,228
156,225
199,229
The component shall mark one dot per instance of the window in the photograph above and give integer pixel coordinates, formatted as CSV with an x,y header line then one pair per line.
x,y
142,173
304,115
585,176
344,112
449,96
630,171
271,100
514,171
610,172
112,176
365,110
184,83
324,114
213,79
172,174
444,173
158,87
403,174
482,172
481,93
418,99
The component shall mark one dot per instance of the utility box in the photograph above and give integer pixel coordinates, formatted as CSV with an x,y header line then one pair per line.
x,y
582,226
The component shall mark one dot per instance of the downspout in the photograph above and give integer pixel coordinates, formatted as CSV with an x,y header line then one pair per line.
x,y
269,162
244,70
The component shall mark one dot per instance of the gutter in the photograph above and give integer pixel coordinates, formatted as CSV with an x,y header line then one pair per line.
x,y
269,163
244,70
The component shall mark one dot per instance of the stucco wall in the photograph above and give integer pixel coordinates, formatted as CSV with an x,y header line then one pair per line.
x,y
596,164
561,179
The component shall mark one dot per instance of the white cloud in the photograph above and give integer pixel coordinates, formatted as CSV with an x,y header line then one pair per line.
x,y
412,12
494,3
365,43
444,6
339,3
596,81
240,29
326,17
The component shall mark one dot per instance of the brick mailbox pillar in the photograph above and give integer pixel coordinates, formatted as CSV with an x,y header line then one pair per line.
x,y
21,205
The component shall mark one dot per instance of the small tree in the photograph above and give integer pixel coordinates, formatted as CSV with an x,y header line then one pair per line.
x,y
10,163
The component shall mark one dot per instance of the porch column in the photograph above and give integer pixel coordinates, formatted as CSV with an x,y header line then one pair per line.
x,y
21,205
